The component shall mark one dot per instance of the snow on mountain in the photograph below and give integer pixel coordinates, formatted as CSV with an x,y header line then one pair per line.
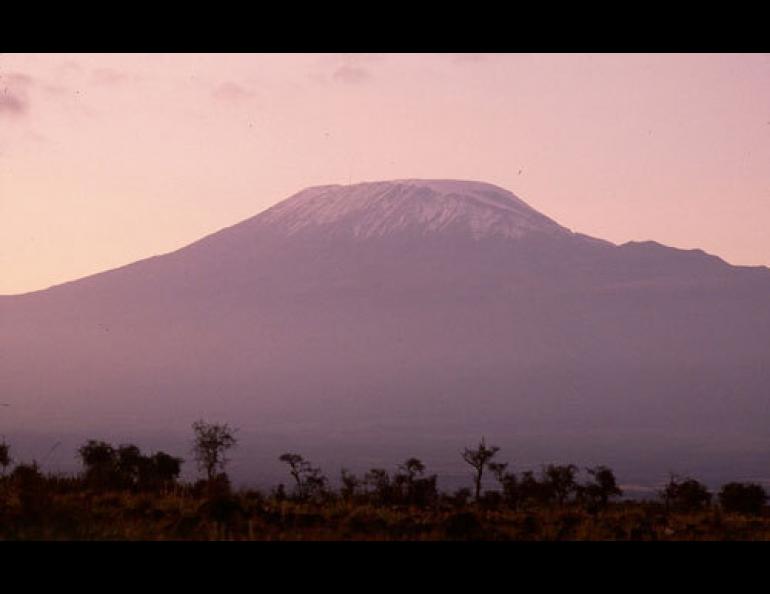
x,y
379,209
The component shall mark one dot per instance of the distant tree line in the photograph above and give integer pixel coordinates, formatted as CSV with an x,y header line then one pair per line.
x,y
127,468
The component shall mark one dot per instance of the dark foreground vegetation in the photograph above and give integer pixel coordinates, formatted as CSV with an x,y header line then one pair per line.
x,y
123,493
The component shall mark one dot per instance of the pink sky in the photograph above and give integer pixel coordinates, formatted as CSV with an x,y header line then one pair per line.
x,y
106,159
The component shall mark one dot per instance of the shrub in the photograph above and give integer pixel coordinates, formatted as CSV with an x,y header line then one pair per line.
x,y
685,495
743,498
597,493
559,482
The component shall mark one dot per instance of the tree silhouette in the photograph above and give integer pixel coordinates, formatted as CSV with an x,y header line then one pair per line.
x,y
100,460
405,477
315,483
131,466
532,491
5,456
308,478
126,467
508,481
350,485
685,495
411,487
295,462
163,470
478,459
379,480
412,468
743,498
604,486
560,481
212,441
30,485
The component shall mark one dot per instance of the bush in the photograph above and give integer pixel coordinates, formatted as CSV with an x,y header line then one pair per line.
x,y
31,488
743,498
597,493
685,495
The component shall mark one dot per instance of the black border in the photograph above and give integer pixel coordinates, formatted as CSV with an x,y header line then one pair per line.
x,y
290,27
384,28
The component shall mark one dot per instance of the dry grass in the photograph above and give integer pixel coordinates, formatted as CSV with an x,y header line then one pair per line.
x,y
82,515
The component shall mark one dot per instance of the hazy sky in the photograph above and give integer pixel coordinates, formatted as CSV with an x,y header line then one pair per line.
x,y
106,159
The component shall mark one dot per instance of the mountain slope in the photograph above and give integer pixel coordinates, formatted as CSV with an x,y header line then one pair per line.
x,y
369,321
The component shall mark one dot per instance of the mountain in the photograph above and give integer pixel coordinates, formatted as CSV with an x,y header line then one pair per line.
x,y
365,323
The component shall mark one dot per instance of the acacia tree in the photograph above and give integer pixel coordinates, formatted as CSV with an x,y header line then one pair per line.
x,y
308,478
412,468
603,487
406,475
296,464
212,441
478,459
411,487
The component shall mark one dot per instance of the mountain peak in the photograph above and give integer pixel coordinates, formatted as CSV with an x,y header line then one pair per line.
x,y
378,209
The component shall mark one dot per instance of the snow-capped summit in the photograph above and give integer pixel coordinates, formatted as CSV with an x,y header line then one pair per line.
x,y
379,209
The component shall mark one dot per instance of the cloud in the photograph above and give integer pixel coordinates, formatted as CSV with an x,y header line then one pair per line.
x,y
351,74
230,91
17,79
107,76
11,104
345,68
13,93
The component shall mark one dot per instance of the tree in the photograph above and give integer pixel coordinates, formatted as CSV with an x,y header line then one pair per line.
x,y
308,478
126,467
411,487
424,491
685,495
530,490
743,498
315,483
478,459
30,485
350,484
5,456
296,463
403,481
131,466
382,489
412,468
508,481
560,481
164,470
603,487
100,460
212,441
